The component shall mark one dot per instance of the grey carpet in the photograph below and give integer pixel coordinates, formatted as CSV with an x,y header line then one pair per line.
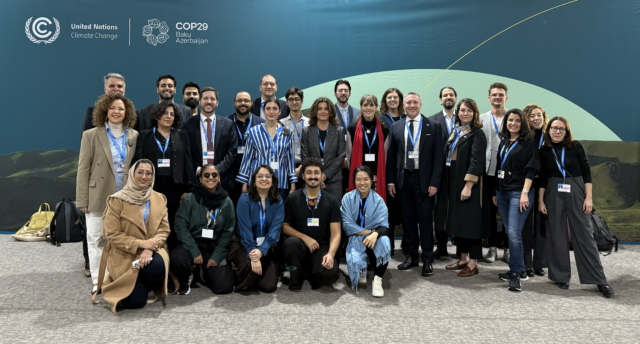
x,y
44,297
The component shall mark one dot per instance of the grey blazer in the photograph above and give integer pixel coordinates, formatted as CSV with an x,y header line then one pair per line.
x,y
335,149
487,124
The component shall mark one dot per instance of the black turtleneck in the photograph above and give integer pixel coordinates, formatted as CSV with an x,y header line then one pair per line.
x,y
575,161
371,125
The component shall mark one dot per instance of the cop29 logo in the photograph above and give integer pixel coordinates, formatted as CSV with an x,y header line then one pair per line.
x,y
42,35
152,24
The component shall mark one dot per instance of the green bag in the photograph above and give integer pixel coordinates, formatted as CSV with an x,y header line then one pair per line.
x,y
37,228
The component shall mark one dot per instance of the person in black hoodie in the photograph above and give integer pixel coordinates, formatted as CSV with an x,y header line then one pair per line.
x,y
517,165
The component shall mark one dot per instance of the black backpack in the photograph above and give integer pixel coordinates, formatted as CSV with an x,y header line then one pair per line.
x,y
605,240
68,223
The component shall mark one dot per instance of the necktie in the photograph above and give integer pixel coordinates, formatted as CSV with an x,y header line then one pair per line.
x,y
411,164
209,139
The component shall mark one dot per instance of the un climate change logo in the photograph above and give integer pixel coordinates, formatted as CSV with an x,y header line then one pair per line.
x,y
39,32
147,31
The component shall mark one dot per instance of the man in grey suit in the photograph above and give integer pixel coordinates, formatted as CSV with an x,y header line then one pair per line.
x,y
446,118
166,89
345,112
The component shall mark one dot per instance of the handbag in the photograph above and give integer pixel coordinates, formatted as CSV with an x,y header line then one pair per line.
x,y
37,228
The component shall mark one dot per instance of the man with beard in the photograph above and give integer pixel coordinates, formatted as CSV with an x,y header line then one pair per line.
x,y
213,138
312,229
191,97
166,89
446,118
345,112
113,82
268,88
243,120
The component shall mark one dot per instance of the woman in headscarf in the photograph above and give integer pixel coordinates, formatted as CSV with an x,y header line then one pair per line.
x,y
366,222
136,226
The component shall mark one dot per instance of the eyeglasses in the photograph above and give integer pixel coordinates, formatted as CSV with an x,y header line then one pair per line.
x,y
556,129
211,175
263,176
241,101
145,173
294,100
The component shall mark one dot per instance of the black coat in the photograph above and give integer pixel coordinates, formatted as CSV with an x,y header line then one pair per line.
x,y
469,218
284,108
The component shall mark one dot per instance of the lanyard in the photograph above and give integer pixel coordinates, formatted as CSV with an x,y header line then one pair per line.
x,y
204,129
213,216
455,140
295,127
366,137
363,208
541,141
120,148
495,125
504,156
322,143
272,143
560,167
262,218
414,139
243,137
391,118
146,211
313,211
166,143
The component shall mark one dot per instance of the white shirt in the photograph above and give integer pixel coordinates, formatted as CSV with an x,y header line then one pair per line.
x,y
416,125
262,108
344,112
203,135
451,123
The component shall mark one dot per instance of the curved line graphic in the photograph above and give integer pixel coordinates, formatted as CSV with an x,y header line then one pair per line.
x,y
492,37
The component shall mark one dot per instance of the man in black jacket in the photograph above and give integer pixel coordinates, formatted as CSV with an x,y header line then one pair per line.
x,y
113,82
268,88
166,89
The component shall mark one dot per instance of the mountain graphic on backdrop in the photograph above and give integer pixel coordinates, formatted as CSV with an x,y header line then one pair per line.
x,y
32,177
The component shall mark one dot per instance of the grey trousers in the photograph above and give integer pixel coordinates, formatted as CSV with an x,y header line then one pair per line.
x,y
561,207
335,189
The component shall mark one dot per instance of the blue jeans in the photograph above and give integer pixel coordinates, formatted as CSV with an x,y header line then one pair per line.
x,y
513,219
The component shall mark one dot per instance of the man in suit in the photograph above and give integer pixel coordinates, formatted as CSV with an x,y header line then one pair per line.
x,y
166,89
446,118
268,88
345,112
414,167
243,120
213,138
113,82
191,97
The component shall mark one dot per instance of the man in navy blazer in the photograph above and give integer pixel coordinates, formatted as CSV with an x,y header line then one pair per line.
x,y
345,112
166,89
224,137
268,88
414,166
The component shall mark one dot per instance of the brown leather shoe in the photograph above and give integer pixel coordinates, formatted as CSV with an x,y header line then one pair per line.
x,y
456,266
467,272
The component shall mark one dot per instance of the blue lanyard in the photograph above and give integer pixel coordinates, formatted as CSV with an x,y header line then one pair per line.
x,y
295,127
363,208
120,148
541,141
313,211
262,218
414,139
166,143
391,118
495,125
243,137
455,141
322,143
213,216
504,156
272,143
560,167
204,129
366,137
146,211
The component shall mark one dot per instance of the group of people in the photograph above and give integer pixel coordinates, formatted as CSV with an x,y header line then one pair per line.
x,y
233,202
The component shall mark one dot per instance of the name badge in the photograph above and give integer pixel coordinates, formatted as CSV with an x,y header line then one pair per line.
x,y
259,241
164,163
448,163
298,151
274,165
501,174
375,178
413,154
564,188
240,149
120,168
207,155
207,233
369,157
313,222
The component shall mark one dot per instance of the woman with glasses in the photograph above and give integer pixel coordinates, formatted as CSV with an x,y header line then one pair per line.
x,y
566,196
135,256
204,226
270,143
169,149
260,213
324,139
106,152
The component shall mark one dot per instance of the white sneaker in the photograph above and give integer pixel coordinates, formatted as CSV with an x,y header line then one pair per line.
x,y
152,297
376,290
491,255
363,279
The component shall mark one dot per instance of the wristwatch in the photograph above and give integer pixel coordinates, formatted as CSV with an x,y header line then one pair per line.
x,y
525,191
370,231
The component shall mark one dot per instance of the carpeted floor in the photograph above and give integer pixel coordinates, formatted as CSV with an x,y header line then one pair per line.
x,y
44,297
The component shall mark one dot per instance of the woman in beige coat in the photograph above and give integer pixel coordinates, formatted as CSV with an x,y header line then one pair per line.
x,y
135,260
106,152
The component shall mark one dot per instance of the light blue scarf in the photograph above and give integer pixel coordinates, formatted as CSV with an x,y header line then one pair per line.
x,y
376,215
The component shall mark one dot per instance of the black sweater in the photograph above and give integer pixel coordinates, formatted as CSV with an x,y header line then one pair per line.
x,y
522,162
576,162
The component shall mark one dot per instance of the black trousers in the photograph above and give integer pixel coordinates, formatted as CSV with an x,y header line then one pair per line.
x,y
245,277
377,270
498,238
173,192
533,238
306,264
217,278
395,219
417,212
148,279
471,246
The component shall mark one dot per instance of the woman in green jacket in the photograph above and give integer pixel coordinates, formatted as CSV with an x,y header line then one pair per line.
x,y
204,225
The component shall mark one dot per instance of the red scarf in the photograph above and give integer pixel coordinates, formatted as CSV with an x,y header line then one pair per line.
x,y
356,159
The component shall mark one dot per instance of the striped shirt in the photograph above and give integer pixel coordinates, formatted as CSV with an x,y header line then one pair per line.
x,y
258,151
